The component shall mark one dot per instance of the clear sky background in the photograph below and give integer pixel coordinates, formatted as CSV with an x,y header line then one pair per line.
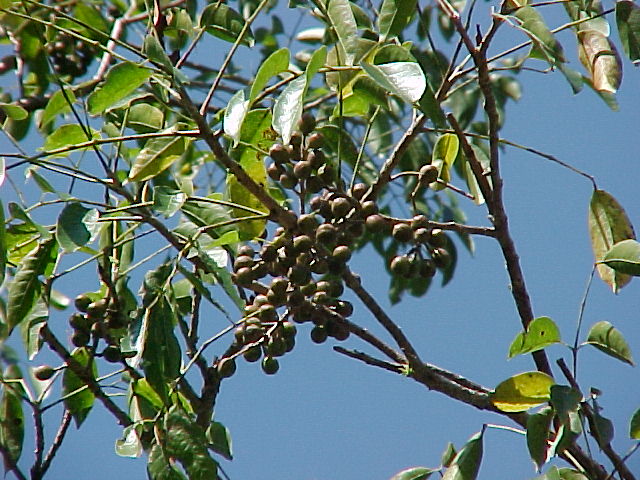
x,y
326,417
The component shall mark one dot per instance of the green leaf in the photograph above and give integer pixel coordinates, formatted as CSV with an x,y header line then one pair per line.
x,y
601,59
540,333
403,79
168,201
273,65
157,155
16,112
160,468
538,425
234,116
76,226
624,257
567,434
634,425
25,288
129,445
220,439
394,16
42,182
429,105
448,455
12,415
466,464
80,403
153,49
522,392
607,338
145,118
444,154
470,178
224,22
414,473
564,400
121,80
344,24
67,136
545,44
608,225
601,429
628,22
30,327
288,108
57,105
555,473
186,442
4,248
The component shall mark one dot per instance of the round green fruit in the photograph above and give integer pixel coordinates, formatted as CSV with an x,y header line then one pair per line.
x,y
270,365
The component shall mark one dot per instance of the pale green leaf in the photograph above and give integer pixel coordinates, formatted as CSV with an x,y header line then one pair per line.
x,y
624,257
76,226
13,111
145,118
522,392
344,24
153,49
414,473
157,155
121,80
288,108
219,439
540,333
273,65
607,338
545,44
234,116
403,79
67,136
634,425
79,403
167,201
129,445
466,463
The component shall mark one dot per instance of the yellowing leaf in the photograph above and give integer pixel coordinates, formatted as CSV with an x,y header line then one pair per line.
x,y
601,59
522,392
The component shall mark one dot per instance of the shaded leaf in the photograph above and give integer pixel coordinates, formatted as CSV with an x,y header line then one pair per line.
x,y
429,106
157,155
538,425
394,16
608,225
624,257
448,455
76,226
220,439
4,248
564,400
628,22
224,22
607,338
414,473
466,464
121,80
540,333
273,65
601,429
567,434
522,392
145,118
634,425
79,403
403,79
25,288
153,49
30,327
160,468
545,44
12,415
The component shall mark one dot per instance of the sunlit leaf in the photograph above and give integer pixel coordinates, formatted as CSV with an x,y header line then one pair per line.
x,y
30,327
167,201
555,473
538,425
224,22
634,425
153,49
345,26
234,116
466,464
444,154
607,338
628,22
448,455
4,248
58,104
145,118
273,65
403,79
601,59
394,16
540,333
67,136
129,445
76,226
79,403
25,288
545,44
624,257
219,439
608,225
121,80
414,473
157,155
522,392
14,111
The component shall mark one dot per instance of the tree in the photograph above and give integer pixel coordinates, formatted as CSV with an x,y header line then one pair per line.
x,y
196,190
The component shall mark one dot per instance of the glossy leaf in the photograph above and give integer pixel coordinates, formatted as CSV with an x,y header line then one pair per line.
x,y
79,403
403,79
601,59
219,439
224,22
157,155
466,464
540,333
538,425
12,415
167,201
624,257
634,425
394,16
414,473
234,116
344,24
25,288
159,467
628,22
67,136
186,442
273,65
608,225
76,226
607,338
522,392
121,80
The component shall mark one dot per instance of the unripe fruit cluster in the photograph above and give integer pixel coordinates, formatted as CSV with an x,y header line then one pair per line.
x,y
70,56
